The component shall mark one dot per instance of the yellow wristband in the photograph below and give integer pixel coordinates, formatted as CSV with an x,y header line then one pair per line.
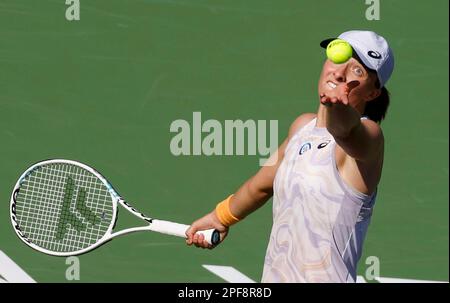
x,y
224,214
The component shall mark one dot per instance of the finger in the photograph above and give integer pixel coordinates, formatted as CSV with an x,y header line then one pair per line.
x,y
203,243
344,99
334,100
189,234
206,244
195,239
351,85
201,238
325,99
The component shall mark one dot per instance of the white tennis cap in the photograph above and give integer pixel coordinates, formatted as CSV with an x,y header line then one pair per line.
x,y
373,50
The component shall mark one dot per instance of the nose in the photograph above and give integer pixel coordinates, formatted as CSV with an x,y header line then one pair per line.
x,y
339,73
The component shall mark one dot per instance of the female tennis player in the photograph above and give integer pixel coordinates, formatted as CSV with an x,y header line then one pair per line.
x,y
324,183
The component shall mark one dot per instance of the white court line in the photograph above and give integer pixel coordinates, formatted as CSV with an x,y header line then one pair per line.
x,y
232,275
11,272
228,273
398,280
360,279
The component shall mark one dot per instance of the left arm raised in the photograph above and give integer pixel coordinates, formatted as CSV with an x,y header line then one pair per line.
x,y
360,139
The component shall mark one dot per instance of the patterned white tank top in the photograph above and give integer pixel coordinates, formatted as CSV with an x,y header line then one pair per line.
x,y
319,222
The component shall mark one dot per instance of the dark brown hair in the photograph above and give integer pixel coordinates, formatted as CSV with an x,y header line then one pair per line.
x,y
376,109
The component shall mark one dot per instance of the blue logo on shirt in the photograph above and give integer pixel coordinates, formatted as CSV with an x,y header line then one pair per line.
x,y
305,147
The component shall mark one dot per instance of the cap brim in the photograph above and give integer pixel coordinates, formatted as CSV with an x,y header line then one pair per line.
x,y
325,42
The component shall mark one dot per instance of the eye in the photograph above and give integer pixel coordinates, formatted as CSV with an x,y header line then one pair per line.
x,y
358,71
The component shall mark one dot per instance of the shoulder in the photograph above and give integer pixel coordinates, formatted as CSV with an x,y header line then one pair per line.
x,y
300,122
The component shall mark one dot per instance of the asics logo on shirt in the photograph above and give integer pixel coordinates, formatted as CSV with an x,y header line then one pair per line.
x,y
323,144
305,147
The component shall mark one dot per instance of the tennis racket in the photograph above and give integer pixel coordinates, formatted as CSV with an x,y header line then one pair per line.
x,y
65,208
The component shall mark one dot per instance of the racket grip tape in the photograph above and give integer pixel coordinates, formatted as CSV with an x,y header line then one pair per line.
x,y
212,236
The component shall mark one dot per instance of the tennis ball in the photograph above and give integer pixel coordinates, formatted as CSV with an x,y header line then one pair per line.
x,y
339,51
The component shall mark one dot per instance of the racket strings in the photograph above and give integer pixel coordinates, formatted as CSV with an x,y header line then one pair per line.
x,y
63,207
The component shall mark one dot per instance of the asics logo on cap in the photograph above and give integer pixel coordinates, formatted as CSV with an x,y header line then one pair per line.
x,y
374,54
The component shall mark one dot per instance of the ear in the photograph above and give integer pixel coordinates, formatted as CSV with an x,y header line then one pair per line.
x,y
374,93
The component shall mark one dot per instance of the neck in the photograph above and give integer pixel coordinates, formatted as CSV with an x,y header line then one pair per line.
x,y
321,116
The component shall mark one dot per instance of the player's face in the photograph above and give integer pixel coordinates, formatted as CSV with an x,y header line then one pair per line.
x,y
334,75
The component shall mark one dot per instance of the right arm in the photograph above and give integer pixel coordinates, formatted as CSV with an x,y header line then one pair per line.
x,y
250,196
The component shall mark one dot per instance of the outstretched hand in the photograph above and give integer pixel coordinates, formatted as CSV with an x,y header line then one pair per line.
x,y
339,94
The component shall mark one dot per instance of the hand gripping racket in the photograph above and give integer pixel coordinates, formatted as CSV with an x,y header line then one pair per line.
x,y
65,208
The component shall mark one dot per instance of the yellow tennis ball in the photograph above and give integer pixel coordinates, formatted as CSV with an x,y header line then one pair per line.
x,y
339,51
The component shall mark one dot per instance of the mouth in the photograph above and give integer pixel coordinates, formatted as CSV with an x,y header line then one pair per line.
x,y
331,85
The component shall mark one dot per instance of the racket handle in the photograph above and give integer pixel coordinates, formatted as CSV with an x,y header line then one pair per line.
x,y
212,236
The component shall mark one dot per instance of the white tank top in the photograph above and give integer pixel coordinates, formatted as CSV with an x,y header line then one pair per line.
x,y
319,222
